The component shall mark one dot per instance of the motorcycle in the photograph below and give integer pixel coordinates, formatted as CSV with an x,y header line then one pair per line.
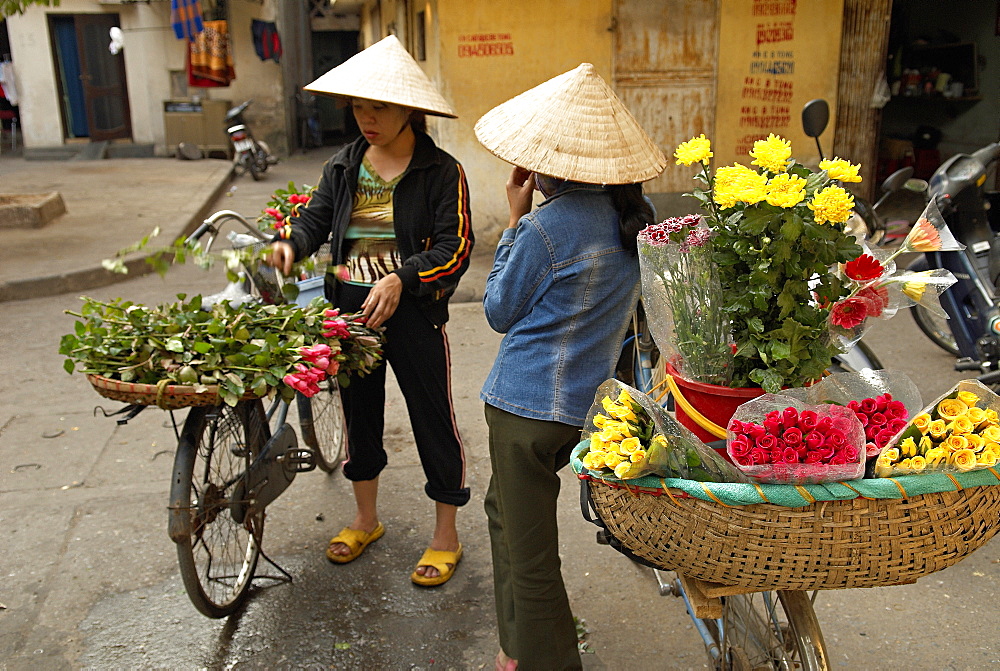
x,y
972,330
866,223
250,155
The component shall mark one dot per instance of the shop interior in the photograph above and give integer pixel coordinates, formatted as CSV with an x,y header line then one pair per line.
x,y
943,77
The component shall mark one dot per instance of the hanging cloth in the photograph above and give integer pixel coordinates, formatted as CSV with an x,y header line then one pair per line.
x,y
185,15
211,56
266,41
7,79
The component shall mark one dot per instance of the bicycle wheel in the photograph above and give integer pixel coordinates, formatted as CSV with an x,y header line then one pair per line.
x,y
936,328
218,554
772,630
321,419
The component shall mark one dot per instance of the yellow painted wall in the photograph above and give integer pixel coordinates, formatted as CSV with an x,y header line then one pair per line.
x,y
483,53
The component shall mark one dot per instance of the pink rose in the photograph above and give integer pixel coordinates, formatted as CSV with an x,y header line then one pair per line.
x,y
755,430
836,438
878,419
759,456
868,406
813,458
851,454
896,410
739,446
824,424
767,442
772,425
790,456
838,460
896,425
814,439
883,438
736,426
792,436
789,417
808,420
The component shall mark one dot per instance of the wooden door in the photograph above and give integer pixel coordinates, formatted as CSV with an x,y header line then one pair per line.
x,y
103,78
664,69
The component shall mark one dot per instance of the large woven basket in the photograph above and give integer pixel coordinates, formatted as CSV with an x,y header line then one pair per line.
x,y
165,396
859,542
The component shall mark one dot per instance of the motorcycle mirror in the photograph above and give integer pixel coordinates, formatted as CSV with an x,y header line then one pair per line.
x,y
897,180
815,117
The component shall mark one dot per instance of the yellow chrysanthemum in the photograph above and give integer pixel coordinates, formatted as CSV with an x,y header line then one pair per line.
x,y
696,150
921,422
961,425
937,429
950,408
786,190
772,154
968,398
832,204
963,460
841,170
736,184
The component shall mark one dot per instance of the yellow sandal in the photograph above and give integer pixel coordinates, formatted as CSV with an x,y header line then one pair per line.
x,y
444,561
356,540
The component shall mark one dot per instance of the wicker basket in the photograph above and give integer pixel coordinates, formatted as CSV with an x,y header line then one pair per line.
x,y
165,396
827,545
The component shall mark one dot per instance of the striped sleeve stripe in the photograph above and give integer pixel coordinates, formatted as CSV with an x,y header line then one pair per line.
x,y
455,262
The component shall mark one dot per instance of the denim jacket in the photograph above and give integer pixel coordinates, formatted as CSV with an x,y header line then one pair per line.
x,y
562,289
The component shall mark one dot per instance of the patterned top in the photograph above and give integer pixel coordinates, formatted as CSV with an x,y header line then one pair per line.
x,y
370,251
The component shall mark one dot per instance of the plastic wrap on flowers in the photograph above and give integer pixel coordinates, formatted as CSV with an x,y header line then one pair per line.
x,y
631,436
682,297
879,290
883,400
778,439
958,432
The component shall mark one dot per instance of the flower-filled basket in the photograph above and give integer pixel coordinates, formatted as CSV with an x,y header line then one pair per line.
x,y
749,537
187,353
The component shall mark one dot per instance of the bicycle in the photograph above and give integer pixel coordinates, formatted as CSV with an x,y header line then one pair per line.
x,y
233,461
741,629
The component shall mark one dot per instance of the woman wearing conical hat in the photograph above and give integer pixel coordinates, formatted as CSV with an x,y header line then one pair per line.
x,y
395,210
564,283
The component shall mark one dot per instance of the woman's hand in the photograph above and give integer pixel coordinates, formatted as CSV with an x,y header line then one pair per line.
x,y
382,300
519,192
281,256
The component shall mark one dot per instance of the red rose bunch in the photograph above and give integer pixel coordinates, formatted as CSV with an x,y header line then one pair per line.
x,y
882,418
798,446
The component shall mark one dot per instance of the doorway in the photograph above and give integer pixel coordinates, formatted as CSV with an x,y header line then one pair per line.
x,y
330,48
92,86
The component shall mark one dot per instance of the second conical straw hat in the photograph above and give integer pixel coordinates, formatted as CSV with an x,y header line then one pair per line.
x,y
573,127
386,72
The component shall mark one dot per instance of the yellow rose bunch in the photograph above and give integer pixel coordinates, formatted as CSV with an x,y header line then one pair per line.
x,y
623,438
955,434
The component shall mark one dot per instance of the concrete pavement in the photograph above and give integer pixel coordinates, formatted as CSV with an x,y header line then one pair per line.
x,y
113,203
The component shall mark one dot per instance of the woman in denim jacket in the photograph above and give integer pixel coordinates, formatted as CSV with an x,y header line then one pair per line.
x,y
564,283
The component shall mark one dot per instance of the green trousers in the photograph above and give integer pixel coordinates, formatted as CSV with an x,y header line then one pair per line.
x,y
533,615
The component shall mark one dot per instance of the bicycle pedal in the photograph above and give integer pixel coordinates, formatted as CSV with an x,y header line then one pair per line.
x,y
298,460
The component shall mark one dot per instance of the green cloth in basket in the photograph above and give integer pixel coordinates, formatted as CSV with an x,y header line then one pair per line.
x,y
796,496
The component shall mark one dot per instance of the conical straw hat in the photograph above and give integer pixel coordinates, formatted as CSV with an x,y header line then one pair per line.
x,y
386,72
573,127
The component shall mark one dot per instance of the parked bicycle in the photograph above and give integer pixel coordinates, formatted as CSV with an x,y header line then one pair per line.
x,y
234,461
